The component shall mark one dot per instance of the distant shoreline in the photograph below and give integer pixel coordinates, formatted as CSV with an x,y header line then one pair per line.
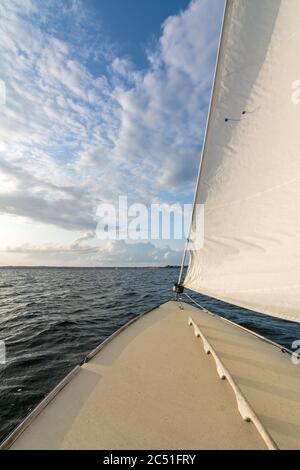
x,y
92,267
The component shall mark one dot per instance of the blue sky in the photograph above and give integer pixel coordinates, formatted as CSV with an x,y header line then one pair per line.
x,y
103,98
134,25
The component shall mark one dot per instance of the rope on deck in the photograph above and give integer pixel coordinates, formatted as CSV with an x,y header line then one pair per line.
x,y
244,407
197,304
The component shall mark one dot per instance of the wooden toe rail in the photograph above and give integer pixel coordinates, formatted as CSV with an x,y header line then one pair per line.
x,y
244,407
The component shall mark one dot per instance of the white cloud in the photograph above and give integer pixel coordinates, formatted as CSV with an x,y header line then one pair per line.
x,y
75,245
122,253
122,67
70,139
114,253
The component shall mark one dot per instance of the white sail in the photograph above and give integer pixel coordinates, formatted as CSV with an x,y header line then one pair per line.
x,y
250,172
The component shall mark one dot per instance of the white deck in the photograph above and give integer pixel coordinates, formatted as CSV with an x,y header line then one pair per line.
x,y
153,387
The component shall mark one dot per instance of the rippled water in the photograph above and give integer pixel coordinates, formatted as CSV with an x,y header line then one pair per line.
x,y
50,318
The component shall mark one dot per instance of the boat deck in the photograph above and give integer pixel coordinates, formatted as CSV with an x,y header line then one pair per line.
x,y
153,387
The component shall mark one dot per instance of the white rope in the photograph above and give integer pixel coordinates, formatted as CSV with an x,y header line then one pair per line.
x,y
196,303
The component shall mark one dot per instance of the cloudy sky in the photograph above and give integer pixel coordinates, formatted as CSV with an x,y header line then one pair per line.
x,y
104,98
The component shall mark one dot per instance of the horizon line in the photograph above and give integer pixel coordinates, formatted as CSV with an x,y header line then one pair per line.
x,y
88,267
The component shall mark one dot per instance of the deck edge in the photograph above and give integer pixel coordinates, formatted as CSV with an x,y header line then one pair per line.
x,y
104,343
282,348
13,436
